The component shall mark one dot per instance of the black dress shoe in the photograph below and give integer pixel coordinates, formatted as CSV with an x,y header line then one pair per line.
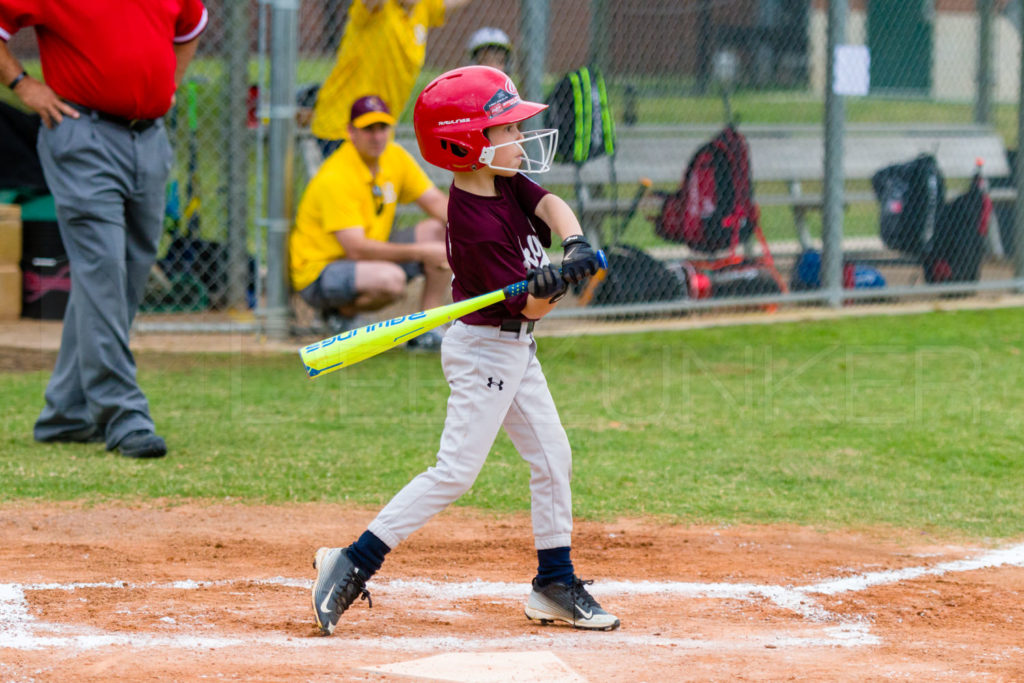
x,y
142,444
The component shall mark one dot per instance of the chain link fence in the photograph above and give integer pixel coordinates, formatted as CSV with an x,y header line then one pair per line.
x,y
207,275
210,252
874,158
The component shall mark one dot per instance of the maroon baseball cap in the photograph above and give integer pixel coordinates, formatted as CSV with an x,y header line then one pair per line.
x,y
370,109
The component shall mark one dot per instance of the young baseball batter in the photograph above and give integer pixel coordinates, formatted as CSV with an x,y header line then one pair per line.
x,y
499,221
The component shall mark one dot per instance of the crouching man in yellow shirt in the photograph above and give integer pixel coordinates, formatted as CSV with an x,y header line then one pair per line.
x,y
341,260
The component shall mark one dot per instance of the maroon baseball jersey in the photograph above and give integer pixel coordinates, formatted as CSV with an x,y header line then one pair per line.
x,y
493,242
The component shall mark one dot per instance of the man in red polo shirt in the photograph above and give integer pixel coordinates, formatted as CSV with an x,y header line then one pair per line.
x,y
110,69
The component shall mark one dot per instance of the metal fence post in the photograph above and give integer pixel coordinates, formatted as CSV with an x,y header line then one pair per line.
x,y
533,17
1018,172
600,34
280,170
237,162
704,46
835,115
983,98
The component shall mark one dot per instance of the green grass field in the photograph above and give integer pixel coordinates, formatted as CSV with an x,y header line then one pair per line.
x,y
909,421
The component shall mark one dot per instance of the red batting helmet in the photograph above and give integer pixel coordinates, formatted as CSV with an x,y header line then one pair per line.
x,y
454,109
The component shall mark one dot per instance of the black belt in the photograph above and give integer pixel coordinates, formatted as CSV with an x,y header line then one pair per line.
x,y
512,325
134,125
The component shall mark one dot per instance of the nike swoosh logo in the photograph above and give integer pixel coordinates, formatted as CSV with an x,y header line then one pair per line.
x,y
324,607
585,615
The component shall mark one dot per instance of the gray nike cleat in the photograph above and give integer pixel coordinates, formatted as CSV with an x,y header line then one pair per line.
x,y
338,583
571,604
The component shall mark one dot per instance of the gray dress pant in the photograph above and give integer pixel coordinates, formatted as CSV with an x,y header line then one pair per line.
x,y
109,185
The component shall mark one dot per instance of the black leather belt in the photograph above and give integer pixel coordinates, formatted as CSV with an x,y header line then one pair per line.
x,y
134,125
512,325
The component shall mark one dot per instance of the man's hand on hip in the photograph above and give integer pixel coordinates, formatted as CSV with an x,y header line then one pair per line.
x,y
41,99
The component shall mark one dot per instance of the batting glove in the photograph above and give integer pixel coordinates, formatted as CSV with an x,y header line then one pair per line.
x,y
546,283
579,260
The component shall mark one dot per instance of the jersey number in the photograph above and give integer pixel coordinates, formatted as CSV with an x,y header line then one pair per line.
x,y
533,253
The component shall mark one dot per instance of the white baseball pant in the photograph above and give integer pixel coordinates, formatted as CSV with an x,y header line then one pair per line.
x,y
496,381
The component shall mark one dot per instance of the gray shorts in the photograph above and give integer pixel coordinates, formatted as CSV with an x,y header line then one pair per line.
x,y
336,285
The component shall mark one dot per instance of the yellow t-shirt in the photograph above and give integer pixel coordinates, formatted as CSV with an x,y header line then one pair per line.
x,y
344,194
381,53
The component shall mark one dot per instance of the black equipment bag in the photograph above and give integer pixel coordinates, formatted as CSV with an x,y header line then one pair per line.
x,y
205,260
20,168
910,196
714,209
46,273
748,278
578,108
955,251
636,277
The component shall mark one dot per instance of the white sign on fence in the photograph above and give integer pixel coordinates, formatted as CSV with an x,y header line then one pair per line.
x,y
852,70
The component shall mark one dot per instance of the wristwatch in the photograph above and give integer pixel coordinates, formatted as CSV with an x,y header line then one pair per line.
x,y
17,79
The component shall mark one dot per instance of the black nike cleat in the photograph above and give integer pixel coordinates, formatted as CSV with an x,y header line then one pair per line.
x,y
338,583
571,604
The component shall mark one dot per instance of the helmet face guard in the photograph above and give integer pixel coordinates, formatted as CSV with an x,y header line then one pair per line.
x,y
536,146
453,111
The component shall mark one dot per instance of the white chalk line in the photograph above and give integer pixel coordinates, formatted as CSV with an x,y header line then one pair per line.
x,y
21,631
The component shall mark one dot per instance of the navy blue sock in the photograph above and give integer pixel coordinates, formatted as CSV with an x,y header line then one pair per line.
x,y
368,553
554,564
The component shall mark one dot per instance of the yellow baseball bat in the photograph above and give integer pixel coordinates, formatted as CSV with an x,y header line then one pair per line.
x,y
348,348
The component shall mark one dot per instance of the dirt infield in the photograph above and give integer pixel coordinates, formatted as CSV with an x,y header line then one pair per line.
x,y
188,591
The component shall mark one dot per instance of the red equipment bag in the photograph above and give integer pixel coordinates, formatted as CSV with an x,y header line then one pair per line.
x,y
714,209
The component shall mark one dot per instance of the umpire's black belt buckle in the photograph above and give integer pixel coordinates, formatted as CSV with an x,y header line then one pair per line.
x,y
139,125
520,327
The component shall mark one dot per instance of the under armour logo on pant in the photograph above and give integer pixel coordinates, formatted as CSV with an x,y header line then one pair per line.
x,y
491,383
